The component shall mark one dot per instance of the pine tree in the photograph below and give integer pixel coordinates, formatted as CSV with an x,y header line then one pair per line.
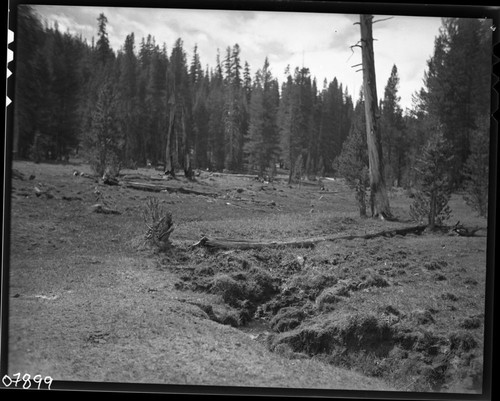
x,y
128,101
476,169
32,79
234,110
104,53
457,83
155,102
352,163
262,147
434,181
199,97
65,86
179,132
103,143
296,119
394,142
247,82
334,122
216,146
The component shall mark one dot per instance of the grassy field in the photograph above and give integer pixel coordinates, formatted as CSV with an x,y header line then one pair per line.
x,y
90,302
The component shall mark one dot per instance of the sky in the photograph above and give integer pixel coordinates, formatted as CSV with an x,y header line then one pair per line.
x,y
319,41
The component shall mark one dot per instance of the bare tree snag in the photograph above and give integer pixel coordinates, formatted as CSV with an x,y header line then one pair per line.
x,y
379,199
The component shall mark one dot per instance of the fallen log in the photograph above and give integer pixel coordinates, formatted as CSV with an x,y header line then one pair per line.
x,y
235,175
17,174
100,208
146,186
106,179
218,243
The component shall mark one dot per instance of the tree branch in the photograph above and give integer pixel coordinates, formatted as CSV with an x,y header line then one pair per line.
x,y
383,19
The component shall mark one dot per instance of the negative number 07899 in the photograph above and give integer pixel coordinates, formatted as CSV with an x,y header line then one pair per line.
x,y
7,381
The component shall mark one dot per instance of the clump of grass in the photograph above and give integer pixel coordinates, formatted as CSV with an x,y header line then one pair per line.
x,y
339,333
159,223
374,280
287,318
327,299
244,288
462,341
313,282
229,289
471,322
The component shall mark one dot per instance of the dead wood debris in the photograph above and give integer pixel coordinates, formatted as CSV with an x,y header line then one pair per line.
x,y
100,208
463,231
17,175
217,243
146,186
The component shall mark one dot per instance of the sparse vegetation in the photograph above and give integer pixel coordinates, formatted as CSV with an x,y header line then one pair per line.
x,y
373,306
264,283
159,223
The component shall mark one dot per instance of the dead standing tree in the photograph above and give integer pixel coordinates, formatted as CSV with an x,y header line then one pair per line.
x,y
379,200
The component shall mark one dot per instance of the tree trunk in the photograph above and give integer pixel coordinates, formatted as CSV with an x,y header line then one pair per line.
x,y
432,211
169,168
377,181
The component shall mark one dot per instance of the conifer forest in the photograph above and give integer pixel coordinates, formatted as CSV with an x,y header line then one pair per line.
x,y
176,220
148,102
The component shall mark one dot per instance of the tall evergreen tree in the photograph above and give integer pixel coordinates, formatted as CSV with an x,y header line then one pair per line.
x,y
199,95
262,147
104,53
352,163
234,110
394,143
457,83
128,100
476,169
296,119
216,144
179,135
334,122
103,141
434,180
32,79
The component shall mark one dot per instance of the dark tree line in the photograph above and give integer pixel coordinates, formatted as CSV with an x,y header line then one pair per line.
x,y
146,103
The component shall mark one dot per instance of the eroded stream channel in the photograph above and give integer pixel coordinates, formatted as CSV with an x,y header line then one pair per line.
x,y
337,306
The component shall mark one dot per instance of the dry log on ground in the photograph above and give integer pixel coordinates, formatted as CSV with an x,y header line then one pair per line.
x,y
100,208
249,176
17,174
145,186
217,243
77,173
109,180
467,232
43,192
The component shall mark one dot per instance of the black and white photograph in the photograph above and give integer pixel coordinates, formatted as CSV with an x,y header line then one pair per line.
x,y
250,199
